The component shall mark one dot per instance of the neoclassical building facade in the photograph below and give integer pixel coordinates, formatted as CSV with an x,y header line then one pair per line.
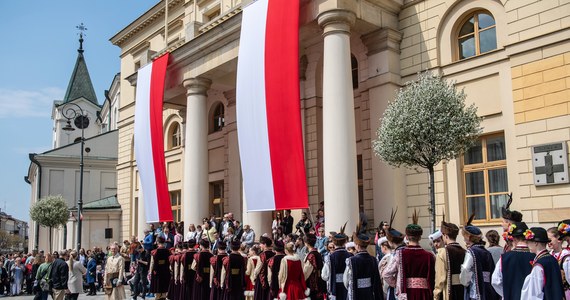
x,y
512,58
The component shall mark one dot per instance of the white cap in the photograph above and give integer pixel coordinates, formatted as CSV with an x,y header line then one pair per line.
x,y
350,245
434,236
382,240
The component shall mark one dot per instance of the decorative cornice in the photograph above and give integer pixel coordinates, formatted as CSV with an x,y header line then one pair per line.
x,y
143,21
382,39
336,21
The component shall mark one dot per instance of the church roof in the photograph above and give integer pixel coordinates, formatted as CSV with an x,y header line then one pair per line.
x,y
105,203
80,83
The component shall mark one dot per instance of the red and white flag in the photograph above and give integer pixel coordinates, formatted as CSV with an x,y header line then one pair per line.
x,y
149,140
268,107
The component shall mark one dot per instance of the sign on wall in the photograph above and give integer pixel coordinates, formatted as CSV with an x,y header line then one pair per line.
x,y
550,164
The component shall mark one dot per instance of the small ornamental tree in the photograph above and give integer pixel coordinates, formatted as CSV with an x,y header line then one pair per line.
x,y
427,122
51,212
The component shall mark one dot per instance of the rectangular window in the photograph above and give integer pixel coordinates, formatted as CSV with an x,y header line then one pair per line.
x,y
217,196
485,179
360,173
175,204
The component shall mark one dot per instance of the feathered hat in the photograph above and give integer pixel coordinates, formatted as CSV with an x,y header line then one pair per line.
x,y
511,215
359,238
340,238
392,234
448,228
414,229
470,232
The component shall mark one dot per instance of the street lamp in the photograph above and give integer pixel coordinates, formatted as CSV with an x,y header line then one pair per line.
x,y
72,111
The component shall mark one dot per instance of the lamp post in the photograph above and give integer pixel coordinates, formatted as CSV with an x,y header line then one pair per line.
x,y
72,111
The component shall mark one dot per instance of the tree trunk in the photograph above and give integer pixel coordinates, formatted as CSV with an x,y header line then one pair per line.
x,y
50,240
432,198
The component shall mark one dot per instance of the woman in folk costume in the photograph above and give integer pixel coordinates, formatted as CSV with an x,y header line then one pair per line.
x,y
291,278
509,217
252,262
544,281
448,265
513,266
188,275
159,270
477,266
416,265
361,277
312,267
389,272
232,279
386,258
334,266
564,257
262,291
114,274
201,265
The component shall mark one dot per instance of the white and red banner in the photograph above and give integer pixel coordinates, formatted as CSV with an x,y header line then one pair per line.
x,y
268,107
149,140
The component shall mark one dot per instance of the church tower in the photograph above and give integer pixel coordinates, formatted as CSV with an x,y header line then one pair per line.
x,y
80,99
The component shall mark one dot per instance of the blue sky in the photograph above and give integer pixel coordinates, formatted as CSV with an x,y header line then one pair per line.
x,y
39,49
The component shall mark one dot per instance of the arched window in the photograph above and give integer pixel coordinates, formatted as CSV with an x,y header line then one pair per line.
x,y
174,136
477,35
354,68
218,117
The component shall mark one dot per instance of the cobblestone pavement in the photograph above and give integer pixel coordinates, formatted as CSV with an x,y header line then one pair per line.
x,y
100,296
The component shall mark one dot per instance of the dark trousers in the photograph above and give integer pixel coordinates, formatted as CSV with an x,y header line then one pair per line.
x,y
140,283
92,289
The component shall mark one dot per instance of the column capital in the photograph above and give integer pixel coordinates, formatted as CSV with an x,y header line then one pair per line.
x,y
197,85
336,21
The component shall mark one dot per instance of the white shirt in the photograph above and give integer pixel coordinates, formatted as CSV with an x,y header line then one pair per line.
x,y
497,278
467,276
533,283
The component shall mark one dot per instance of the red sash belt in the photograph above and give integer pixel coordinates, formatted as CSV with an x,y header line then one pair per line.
x,y
417,283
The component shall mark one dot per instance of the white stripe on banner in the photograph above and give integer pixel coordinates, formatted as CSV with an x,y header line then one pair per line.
x,y
251,110
143,144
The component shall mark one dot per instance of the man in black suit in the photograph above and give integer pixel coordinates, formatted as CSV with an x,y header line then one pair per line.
x,y
287,222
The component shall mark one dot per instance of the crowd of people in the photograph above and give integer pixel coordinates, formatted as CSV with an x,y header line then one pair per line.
x,y
221,259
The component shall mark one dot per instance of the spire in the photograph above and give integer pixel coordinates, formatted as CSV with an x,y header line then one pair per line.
x,y
80,83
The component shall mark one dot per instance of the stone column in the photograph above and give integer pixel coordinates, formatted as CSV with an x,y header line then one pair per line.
x,y
196,193
141,221
259,221
339,138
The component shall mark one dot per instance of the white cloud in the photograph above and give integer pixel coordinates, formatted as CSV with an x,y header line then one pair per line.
x,y
28,103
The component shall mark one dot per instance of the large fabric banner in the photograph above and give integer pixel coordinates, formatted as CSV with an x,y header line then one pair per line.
x,y
149,140
268,107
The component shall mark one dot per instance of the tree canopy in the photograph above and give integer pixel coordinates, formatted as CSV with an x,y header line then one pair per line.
x,y
50,211
428,122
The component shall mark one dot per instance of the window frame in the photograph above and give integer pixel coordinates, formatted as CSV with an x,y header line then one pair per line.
x,y
219,112
484,166
476,31
174,134
177,207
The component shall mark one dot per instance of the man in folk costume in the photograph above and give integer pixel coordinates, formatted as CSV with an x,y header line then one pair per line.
x,y
273,266
181,289
509,217
334,266
477,266
232,279
159,270
188,275
261,283
312,267
417,266
514,263
564,257
216,271
544,280
361,277
201,265
390,272
448,265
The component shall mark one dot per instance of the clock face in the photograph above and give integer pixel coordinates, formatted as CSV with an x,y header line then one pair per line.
x,y
81,122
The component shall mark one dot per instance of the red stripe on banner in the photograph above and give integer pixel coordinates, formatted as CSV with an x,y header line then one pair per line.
x,y
157,78
283,105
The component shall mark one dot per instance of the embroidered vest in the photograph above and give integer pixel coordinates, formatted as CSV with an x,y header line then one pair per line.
x,y
515,267
553,286
484,266
337,267
455,256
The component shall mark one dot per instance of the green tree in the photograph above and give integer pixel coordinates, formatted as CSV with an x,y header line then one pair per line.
x,y
427,122
50,211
